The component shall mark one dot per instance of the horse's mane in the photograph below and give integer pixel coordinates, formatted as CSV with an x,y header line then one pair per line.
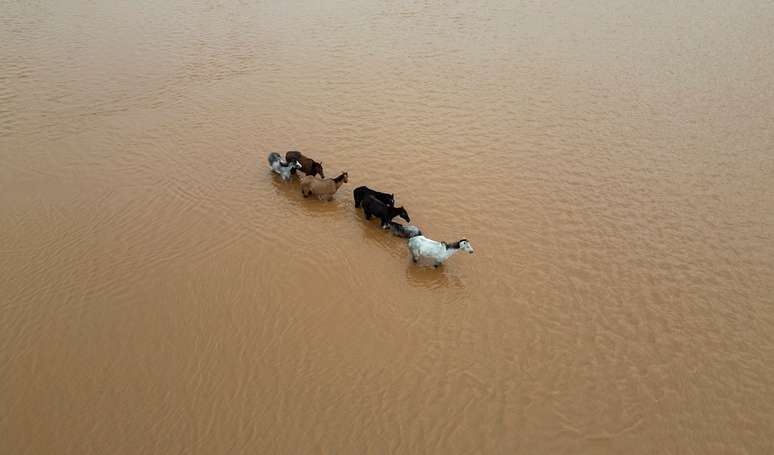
x,y
455,245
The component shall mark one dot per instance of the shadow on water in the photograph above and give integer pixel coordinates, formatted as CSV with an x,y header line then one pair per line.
x,y
423,275
373,233
312,205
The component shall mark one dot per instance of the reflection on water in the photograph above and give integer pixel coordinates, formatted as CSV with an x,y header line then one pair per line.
x,y
290,193
162,291
373,234
431,278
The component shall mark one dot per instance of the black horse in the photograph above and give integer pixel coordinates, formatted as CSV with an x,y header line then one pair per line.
x,y
362,191
375,207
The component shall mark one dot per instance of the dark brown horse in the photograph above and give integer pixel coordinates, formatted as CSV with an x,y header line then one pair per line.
x,y
308,165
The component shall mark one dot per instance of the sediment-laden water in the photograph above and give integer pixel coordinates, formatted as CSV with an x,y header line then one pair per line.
x,y
612,163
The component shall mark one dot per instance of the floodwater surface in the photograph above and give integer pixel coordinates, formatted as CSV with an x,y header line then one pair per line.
x,y
611,162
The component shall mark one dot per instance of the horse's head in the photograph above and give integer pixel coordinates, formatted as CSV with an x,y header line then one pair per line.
x,y
465,246
341,179
317,169
295,164
403,214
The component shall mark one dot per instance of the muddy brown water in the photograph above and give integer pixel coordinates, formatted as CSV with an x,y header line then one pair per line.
x,y
612,163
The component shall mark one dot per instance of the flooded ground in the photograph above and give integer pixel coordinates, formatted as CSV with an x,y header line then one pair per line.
x,y
612,163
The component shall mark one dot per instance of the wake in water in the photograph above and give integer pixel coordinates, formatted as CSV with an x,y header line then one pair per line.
x,y
374,203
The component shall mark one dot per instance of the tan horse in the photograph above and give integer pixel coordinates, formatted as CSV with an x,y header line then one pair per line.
x,y
322,188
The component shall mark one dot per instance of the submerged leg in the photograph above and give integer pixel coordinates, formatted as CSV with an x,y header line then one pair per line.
x,y
414,256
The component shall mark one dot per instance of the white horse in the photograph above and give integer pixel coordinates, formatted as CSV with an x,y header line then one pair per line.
x,y
282,168
438,251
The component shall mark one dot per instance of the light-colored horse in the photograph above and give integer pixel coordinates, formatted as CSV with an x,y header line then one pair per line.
x,y
439,251
322,188
282,168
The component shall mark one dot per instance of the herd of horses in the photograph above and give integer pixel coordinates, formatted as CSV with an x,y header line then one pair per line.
x,y
374,204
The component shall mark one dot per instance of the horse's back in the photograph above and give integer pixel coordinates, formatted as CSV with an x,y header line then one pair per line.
x,y
373,204
306,181
415,243
294,155
424,245
362,191
316,185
